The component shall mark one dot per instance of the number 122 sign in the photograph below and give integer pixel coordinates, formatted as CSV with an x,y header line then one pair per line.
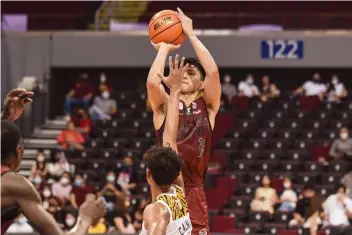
x,y
282,49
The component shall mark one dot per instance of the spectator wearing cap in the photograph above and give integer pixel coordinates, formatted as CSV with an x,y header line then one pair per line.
x,y
342,147
80,191
338,209
80,94
314,87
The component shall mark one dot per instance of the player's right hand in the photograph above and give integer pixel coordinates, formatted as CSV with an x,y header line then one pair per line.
x,y
15,102
93,209
169,47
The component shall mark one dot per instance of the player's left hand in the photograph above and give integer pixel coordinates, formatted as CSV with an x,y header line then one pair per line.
x,y
15,102
173,81
186,23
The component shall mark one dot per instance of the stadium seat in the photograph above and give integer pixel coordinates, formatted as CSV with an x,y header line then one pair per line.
x,y
222,224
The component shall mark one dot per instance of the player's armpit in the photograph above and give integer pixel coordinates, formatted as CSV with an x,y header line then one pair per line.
x,y
156,217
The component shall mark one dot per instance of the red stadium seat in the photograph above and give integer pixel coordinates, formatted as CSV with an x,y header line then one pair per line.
x,y
222,224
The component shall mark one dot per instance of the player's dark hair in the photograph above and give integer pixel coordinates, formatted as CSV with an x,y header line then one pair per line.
x,y
10,139
164,164
196,63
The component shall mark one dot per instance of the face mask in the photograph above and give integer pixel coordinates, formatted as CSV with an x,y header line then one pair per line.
x,y
110,178
46,193
50,181
78,182
334,81
105,95
70,222
41,158
22,220
250,81
102,78
227,79
37,180
287,185
64,180
344,135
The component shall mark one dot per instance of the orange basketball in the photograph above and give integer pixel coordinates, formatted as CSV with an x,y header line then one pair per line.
x,y
166,27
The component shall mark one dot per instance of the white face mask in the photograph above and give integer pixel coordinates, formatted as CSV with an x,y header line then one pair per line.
x,y
22,220
105,95
287,185
70,221
344,135
102,78
249,80
37,180
334,81
64,181
227,79
111,178
46,193
41,158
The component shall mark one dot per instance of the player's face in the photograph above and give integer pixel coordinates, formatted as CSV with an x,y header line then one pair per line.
x,y
191,81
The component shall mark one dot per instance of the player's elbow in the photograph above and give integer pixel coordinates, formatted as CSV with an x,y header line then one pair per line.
x,y
213,72
151,83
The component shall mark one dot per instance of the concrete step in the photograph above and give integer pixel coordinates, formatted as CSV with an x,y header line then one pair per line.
x,y
46,133
40,144
39,141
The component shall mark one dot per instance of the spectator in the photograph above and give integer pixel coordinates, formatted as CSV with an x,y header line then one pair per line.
x,y
313,87
288,197
269,90
62,189
104,85
104,107
46,192
342,147
80,191
347,181
20,226
71,139
138,215
37,181
314,216
82,121
338,208
126,177
265,197
80,94
121,218
337,90
58,164
247,88
98,228
302,206
40,166
110,191
55,210
70,220
228,89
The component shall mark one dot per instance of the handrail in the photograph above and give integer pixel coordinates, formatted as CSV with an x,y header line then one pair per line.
x,y
97,13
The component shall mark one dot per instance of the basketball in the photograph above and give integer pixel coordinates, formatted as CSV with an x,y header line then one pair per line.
x,y
166,27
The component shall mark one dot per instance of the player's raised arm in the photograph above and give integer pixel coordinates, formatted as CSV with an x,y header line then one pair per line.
x,y
156,92
15,102
212,86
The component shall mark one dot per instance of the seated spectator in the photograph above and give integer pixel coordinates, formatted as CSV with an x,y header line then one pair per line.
x,y
265,197
37,181
288,197
314,87
248,88
70,220
58,164
138,215
337,90
80,191
81,120
104,107
227,88
46,192
126,177
71,139
104,85
338,208
314,216
80,94
302,206
269,90
342,147
98,228
56,211
62,189
20,225
347,181
39,166
121,218
110,191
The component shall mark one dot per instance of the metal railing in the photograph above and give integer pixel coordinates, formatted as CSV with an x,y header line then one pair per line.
x,y
99,22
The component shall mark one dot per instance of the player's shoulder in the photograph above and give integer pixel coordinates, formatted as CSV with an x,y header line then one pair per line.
x,y
156,211
15,185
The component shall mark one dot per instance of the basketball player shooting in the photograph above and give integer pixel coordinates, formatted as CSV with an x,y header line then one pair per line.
x,y
168,213
196,116
18,194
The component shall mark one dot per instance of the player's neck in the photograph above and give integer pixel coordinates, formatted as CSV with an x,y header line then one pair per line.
x,y
156,191
188,98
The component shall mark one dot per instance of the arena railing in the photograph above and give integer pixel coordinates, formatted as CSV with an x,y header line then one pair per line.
x,y
97,20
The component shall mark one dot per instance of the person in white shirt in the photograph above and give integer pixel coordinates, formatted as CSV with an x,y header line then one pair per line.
x,y
314,87
20,226
248,88
337,90
288,197
228,88
338,208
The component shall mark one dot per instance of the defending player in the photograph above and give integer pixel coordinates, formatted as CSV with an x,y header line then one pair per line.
x,y
196,116
18,194
168,213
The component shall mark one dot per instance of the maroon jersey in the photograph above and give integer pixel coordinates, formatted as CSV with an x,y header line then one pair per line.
x,y
193,140
8,215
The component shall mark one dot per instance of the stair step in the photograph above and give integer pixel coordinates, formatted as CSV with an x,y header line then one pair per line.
x,y
40,143
46,133
54,127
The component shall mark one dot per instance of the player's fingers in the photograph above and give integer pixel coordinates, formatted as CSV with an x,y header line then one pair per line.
x,y
176,61
17,92
28,101
184,68
182,62
171,66
180,11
